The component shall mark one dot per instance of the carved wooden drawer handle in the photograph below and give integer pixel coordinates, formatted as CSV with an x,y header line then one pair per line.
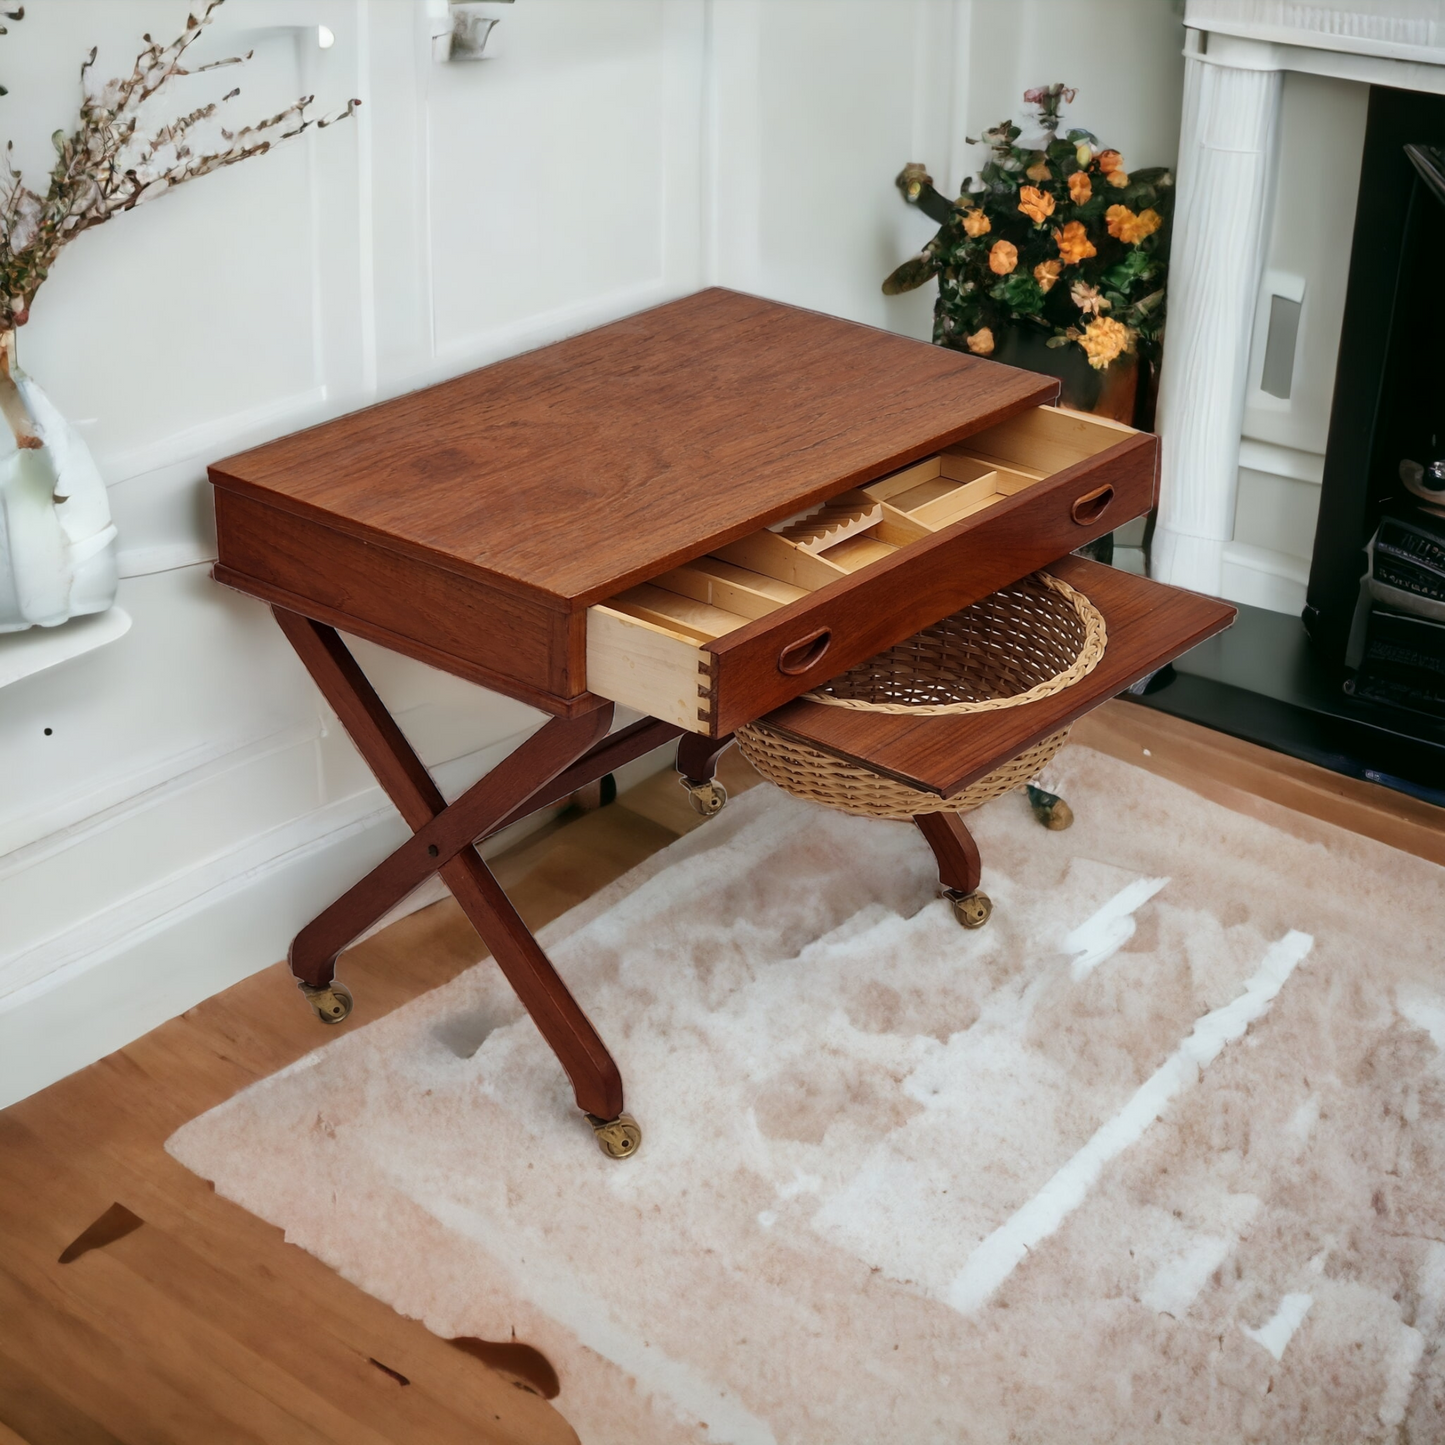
x,y
1092,505
805,653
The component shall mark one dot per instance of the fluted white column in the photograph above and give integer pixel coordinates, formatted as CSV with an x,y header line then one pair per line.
x,y
1226,172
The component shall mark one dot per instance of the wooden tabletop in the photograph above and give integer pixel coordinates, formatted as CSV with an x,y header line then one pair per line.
x,y
586,466
1148,624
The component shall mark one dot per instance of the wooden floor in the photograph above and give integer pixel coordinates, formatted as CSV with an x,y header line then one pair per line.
x,y
1254,780
202,1326
180,1318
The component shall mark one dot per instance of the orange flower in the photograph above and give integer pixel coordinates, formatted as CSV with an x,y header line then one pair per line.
x,y
976,223
1037,205
1125,226
1103,340
1003,258
1046,273
981,342
1074,243
1119,179
1110,161
1080,187
1039,171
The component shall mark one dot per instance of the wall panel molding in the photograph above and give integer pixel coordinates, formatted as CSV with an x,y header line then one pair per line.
x,y
612,157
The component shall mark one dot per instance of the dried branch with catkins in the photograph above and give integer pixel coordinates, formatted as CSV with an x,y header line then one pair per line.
x,y
108,164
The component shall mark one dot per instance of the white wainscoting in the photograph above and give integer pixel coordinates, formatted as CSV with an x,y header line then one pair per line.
x,y
192,802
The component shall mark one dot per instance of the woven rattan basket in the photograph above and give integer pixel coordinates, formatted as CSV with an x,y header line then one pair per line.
x,y
1022,643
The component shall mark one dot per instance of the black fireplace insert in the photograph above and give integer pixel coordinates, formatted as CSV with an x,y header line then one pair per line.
x,y
1358,684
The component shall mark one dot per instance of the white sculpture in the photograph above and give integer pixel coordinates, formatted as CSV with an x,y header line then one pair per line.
x,y
57,542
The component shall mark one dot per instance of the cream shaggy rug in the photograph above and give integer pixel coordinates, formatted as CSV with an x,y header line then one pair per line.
x,y
1157,1155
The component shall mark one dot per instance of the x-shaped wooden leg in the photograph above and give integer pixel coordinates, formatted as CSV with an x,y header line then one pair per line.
x,y
442,842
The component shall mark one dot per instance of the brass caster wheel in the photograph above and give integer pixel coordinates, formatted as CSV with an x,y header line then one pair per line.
x,y
971,909
707,799
1051,811
332,1004
618,1138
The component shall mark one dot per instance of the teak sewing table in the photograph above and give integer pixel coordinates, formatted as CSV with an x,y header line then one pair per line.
x,y
613,519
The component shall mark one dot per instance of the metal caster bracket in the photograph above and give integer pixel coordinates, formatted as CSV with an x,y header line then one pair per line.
x,y
618,1138
972,910
331,1004
1049,809
708,799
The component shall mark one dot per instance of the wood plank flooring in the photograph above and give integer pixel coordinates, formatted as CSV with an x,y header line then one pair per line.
x,y
1254,780
202,1325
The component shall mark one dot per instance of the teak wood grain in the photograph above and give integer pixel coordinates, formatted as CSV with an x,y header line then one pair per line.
x,y
514,791
959,865
1148,625
869,610
577,470
494,525
479,547
569,1033
461,624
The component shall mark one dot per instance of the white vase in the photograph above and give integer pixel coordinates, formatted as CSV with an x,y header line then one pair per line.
x,y
57,542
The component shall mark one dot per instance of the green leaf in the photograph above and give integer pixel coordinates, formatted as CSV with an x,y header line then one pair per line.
x,y
1020,293
1160,176
1146,312
915,272
1136,263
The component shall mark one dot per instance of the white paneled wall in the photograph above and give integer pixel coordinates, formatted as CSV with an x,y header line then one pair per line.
x,y
174,805
1125,60
817,110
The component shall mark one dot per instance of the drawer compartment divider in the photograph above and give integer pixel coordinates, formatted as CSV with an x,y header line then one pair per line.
x,y
765,617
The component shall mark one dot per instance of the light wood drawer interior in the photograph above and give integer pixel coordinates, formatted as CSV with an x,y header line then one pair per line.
x,y
646,647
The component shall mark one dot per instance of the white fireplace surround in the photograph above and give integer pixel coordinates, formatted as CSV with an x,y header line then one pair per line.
x,y
1236,54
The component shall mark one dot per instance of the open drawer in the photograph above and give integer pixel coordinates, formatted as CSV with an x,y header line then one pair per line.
x,y
724,638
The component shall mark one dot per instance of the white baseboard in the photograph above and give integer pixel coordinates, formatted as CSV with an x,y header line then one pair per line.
x,y
147,966
1261,577
73,1017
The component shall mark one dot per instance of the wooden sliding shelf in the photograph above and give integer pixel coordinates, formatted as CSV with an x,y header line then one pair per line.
x,y
700,512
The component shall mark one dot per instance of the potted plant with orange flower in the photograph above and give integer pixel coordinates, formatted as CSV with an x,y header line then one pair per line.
x,y
1055,260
